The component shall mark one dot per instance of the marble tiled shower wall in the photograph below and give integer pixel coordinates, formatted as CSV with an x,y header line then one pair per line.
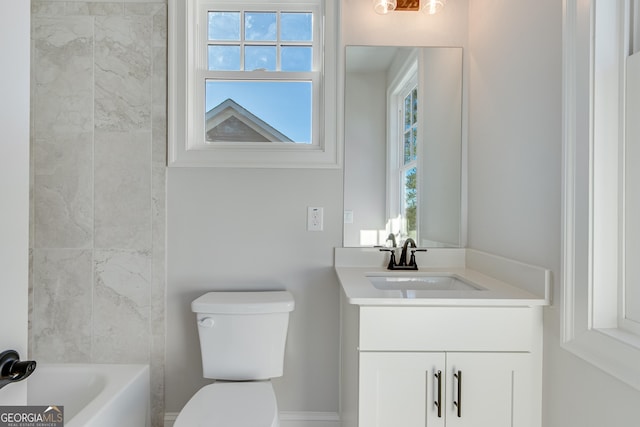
x,y
98,99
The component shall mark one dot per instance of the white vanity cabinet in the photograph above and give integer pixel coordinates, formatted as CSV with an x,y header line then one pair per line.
x,y
488,359
473,389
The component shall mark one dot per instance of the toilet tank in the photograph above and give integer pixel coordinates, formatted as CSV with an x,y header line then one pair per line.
x,y
243,334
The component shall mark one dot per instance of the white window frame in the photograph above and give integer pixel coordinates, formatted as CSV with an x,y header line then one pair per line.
x,y
202,74
402,168
596,41
187,69
404,77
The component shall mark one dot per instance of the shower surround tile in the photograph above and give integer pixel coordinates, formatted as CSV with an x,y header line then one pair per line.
x,y
145,9
123,59
63,191
63,75
121,306
97,288
62,298
47,8
123,190
93,8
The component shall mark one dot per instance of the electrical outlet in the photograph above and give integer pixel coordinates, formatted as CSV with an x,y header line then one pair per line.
x,y
314,219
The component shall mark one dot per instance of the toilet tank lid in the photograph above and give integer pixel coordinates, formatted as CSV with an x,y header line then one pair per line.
x,y
244,302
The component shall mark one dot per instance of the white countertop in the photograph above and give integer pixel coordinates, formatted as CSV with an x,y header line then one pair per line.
x,y
508,283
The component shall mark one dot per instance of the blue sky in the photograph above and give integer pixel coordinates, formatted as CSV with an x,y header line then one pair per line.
x,y
285,105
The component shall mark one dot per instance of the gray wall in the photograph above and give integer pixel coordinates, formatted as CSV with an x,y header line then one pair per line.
x,y
14,186
515,154
365,154
218,239
245,229
440,167
98,184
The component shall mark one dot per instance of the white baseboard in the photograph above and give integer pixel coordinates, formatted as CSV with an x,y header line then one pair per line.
x,y
287,419
309,419
170,418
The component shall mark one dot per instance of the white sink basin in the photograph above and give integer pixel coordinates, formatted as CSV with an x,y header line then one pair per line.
x,y
418,285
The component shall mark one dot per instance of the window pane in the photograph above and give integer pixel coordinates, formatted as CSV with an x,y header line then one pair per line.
x,y
260,58
414,106
296,26
258,111
631,194
411,201
224,58
224,25
407,112
260,26
407,147
414,144
296,58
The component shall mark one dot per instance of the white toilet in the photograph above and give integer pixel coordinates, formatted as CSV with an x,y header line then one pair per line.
x,y
242,341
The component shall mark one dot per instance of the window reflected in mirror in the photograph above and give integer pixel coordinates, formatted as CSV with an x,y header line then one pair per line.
x,y
403,145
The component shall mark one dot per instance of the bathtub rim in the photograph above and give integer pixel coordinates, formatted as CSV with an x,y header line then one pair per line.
x,y
118,378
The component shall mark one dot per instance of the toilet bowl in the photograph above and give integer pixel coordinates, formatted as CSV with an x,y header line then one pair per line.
x,y
242,341
239,404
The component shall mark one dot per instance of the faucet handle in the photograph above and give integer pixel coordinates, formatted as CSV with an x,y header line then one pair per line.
x,y
392,259
12,369
412,260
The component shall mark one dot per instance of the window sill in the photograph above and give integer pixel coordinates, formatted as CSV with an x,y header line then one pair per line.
x,y
614,351
254,156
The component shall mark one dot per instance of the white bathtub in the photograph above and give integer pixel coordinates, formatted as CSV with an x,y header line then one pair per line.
x,y
93,395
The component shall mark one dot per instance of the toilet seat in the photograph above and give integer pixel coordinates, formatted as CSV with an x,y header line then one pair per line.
x,y
234,404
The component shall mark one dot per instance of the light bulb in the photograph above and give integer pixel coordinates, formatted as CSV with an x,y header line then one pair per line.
x,y
433,6
383,7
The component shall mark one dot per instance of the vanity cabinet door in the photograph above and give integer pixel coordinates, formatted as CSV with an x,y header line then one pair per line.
x,y
495,390
476,390
399,389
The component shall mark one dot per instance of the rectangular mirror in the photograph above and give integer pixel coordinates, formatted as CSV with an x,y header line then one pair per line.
x,y
403,145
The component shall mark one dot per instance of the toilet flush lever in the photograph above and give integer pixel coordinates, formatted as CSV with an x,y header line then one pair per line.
x,y
206,322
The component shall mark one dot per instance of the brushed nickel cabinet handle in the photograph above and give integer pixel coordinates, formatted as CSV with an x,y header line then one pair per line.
x,y
458,403
438,401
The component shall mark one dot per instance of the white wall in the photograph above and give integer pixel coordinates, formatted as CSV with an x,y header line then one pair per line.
x,y
230,228
243,229
362,26
515,149
14,185
217,240
365,156
439,171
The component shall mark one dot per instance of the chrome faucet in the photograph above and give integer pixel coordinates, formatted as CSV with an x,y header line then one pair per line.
x,y
409,245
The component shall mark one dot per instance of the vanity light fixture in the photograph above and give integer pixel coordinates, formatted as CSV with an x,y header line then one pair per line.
x,y
382,7
431,7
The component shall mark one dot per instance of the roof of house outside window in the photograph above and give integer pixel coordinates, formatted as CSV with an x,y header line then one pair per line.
x,y
231,122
